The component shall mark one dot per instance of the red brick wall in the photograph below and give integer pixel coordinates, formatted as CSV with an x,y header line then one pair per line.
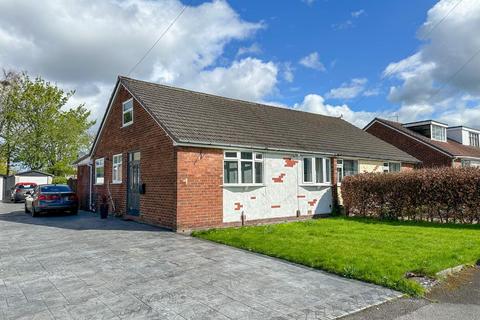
x,y
83,186
429,156
199,188
157,165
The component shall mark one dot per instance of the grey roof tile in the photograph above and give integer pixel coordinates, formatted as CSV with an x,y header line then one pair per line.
x,y
193,117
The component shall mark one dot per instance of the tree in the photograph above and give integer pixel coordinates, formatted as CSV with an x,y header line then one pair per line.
x,y
10,117
48,136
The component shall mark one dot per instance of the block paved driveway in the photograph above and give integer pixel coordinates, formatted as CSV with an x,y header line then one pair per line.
x,y
80,267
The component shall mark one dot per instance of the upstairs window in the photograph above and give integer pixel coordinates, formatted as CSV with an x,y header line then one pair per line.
x,y
474,142
346,168
127,117
391,167
117,169
241,167
316,170
439,133
99,171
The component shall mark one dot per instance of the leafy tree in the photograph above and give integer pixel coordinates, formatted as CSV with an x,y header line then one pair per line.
x,y
48,136
10,117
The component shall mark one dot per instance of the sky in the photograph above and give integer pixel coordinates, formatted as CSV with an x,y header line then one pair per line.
x,y
358,59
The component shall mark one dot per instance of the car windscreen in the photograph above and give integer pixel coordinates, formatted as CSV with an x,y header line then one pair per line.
x,y
26,186
55,189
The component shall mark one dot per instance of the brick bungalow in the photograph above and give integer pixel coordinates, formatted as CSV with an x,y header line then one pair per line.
x,y
186,160
434,143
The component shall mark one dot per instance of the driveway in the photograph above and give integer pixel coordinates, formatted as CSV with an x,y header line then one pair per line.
x,y
81,267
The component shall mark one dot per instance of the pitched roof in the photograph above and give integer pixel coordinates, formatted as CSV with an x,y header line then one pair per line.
x,y
451,147
197,118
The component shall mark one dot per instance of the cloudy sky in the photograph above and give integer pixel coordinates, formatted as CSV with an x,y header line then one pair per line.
x,y
400,59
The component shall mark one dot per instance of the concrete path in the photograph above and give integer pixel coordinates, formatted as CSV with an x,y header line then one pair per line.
x,y
457,298
81,267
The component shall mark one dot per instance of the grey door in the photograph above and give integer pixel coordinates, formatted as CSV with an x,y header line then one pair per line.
x,y
133,179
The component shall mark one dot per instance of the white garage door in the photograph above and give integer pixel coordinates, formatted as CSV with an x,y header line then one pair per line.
x,y
37,180
1,188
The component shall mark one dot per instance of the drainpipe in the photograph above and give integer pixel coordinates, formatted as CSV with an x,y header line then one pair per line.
x,y
90,185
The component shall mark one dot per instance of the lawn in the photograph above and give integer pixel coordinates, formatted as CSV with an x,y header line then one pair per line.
x,y
370,250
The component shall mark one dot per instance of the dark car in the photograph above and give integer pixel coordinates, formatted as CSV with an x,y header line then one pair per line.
x,y
51,198
18,192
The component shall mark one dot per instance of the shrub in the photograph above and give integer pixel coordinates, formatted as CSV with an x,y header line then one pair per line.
x,y
59,180
440,194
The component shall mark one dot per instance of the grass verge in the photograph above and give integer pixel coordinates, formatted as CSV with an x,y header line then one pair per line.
x,y
375,251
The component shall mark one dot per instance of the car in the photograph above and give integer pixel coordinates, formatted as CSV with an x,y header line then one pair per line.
x,y
20,189
51,198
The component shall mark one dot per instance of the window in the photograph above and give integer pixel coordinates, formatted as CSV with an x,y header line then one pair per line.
x,y
316,170
243,167
127,118
99,171
439,133
391,167
346,168
117,169
474,142
471,163
55,188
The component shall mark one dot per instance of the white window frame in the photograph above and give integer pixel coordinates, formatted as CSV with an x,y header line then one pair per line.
x,y
386,166
117,165
327,173
340,165
125,124
476,137
257,157
100,163
444,135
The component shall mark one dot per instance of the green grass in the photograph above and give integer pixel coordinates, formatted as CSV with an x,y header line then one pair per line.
x,y
370,250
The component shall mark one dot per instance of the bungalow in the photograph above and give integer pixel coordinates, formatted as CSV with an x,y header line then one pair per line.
x,y
186,160
434,143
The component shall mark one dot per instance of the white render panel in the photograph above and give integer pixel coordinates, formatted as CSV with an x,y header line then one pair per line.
x,y
1,187
276,199
37,179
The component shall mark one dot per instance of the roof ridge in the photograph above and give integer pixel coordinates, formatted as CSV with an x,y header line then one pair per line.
x,y
257,104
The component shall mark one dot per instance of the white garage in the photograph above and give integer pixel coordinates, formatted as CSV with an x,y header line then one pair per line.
x,y
33,176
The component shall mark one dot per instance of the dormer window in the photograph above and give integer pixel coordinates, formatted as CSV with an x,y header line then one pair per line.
x,y
127,117
439,133
474,142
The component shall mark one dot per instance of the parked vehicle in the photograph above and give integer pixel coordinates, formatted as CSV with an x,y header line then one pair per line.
x,y
20,189
51,198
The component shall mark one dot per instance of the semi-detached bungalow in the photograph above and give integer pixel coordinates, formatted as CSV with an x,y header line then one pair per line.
x,y
186,160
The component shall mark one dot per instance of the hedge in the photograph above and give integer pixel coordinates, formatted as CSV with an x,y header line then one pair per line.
x,y
440,195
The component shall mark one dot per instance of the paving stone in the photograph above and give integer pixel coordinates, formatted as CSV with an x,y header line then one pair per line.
x,y
81,267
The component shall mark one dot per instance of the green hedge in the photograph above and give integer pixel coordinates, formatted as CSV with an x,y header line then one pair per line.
x,y
441,194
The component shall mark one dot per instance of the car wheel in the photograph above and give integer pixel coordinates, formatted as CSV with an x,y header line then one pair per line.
x,y
74,211
34,212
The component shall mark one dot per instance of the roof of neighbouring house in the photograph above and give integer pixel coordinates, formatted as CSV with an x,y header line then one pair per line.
x,y
33,173
202,119
451,147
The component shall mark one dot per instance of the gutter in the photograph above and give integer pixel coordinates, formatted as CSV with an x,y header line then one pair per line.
x,y
278,150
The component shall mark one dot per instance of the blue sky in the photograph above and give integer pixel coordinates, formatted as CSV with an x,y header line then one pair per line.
x,y
353,58
354,39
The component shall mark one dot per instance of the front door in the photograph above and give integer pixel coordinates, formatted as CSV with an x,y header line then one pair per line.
x,y
133,190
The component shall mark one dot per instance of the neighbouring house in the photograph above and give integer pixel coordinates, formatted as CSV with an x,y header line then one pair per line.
x,y
33,176
186,160
434,143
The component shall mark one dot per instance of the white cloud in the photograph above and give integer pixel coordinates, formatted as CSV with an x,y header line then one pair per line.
x,y
253,49
348,90
312,61
358,13
84,45
316,104
309,2
433,80
249,79
288,72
